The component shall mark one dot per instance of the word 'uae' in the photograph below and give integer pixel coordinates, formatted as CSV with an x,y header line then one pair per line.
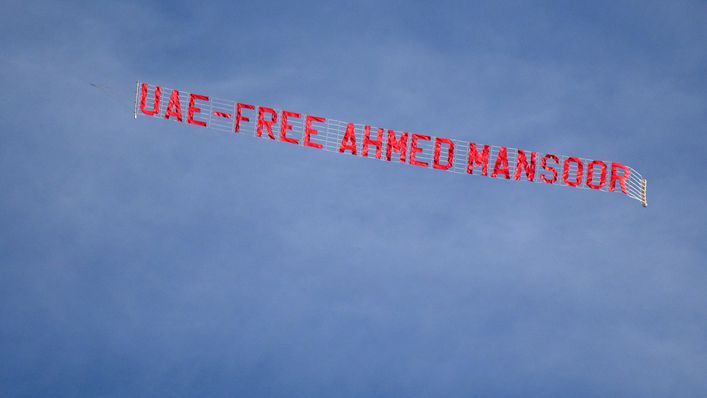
x,y
404,147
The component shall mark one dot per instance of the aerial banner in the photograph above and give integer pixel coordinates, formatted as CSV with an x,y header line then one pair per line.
x,y
422,150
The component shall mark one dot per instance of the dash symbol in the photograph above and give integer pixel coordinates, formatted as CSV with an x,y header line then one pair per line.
x,y
223,115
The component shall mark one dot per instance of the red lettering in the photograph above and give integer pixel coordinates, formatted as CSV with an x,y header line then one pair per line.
x,y
193,109
143,101
438,150
566,172
367,141
239,115
395,145
590,174
544,165
285,127
476,160
620,178
174,108
414,149
309,131
522,163
349,140
267,123
501,165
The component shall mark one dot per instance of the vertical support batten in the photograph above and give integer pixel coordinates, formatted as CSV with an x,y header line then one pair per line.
x,y
644,193
137,90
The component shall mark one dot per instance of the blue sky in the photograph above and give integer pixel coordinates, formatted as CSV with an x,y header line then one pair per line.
x,y
144,258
